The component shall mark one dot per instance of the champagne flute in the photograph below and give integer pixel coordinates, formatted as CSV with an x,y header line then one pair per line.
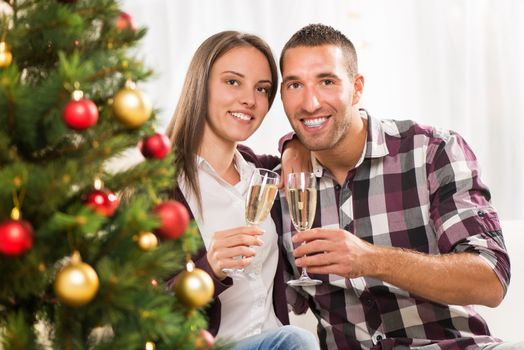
x,y
263,188
302,203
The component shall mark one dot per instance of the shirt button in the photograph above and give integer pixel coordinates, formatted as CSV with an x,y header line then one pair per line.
x,y
337,187
481,213
379,337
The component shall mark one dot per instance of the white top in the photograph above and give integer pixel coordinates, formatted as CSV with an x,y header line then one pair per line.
x,y
247,306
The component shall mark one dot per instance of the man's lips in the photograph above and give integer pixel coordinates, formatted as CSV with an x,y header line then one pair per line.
x,y
314,122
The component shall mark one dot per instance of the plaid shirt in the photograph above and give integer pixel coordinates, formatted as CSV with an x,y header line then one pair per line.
x,y
418,188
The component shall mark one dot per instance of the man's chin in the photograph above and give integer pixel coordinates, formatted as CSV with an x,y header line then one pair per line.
x,y
314,145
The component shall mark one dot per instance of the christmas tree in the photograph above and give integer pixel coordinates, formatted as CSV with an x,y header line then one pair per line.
x,y
81,264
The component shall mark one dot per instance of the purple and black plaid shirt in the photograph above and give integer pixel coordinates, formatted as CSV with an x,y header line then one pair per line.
x,y
418,188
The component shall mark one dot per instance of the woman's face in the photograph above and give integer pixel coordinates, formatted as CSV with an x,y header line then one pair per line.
x,y
238,86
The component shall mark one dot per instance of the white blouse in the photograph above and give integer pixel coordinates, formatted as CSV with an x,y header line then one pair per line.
x,y
247,306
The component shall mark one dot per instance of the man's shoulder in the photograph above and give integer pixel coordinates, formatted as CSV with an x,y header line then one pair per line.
x,y
409,128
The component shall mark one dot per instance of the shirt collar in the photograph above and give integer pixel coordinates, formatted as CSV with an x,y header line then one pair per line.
x,y
375,146
240,163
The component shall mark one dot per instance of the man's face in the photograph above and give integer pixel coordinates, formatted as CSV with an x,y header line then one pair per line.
x,y
317,94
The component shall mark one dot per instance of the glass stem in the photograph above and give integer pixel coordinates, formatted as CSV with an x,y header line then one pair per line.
x,y
303,274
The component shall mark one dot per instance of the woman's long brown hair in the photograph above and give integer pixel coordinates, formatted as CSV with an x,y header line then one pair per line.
x,y
186,127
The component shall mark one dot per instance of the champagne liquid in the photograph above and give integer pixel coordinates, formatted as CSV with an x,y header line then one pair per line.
x,y
302,206
259,202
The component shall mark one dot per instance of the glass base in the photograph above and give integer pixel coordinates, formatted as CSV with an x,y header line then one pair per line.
x,y
234,272
304,282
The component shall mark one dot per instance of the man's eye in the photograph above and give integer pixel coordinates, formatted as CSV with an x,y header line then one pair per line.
x,y
293,86
327,82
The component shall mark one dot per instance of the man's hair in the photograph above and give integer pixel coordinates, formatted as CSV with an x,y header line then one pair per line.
x,y
318,35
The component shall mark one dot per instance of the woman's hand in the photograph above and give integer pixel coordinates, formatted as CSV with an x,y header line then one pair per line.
x,y
229,244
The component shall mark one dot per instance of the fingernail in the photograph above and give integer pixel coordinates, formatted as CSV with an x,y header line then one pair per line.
x,y
298,262
294,239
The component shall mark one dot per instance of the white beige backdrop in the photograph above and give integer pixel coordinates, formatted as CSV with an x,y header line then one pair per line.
x,y
452,63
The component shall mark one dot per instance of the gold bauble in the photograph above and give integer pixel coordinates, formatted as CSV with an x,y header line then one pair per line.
x,y
150,346
131,107
6,57
194,287
77,283
147,241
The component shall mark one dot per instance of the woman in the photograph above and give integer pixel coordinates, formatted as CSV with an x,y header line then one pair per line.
x,y
230,85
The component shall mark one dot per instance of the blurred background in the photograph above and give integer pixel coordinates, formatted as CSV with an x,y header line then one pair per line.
x,y
456,64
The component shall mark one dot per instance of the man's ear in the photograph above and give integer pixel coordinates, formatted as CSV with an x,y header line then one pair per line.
x,y
358,88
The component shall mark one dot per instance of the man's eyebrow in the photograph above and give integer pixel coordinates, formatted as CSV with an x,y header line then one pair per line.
x,y
290,77
318,76
328,75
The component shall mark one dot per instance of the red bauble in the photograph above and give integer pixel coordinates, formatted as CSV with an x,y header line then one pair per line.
x,y
125,21
16,237
103,202
155,146
204,340
174,219
80,114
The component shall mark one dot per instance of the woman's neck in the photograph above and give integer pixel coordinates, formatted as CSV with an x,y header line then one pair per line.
x,y
221,156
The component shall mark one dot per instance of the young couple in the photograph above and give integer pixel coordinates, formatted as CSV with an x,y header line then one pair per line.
x,y
405,239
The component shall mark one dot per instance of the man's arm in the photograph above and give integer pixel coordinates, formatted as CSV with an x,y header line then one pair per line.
x,y
295,157
460,278
473,265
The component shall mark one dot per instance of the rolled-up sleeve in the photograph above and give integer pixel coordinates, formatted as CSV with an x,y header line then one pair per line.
x,y
461,212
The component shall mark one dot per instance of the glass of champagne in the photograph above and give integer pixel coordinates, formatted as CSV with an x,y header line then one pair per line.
x,y
263,188
302,203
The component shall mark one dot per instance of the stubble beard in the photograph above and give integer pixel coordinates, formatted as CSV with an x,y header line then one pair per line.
x,y
327,142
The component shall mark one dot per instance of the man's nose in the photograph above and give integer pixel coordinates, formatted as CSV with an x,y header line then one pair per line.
x,y
310,102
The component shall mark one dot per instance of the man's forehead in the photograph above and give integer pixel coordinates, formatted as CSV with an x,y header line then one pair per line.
x,y
309,57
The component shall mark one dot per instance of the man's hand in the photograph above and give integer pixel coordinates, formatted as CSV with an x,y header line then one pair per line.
x,y
295,159
334,251
228,244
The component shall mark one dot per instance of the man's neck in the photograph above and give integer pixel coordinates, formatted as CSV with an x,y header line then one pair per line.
x,y
340,159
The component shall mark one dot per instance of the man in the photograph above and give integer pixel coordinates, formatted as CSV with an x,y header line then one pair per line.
x,y
408,237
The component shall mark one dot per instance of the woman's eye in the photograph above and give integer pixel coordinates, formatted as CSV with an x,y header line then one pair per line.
x,y
232,82
264,90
